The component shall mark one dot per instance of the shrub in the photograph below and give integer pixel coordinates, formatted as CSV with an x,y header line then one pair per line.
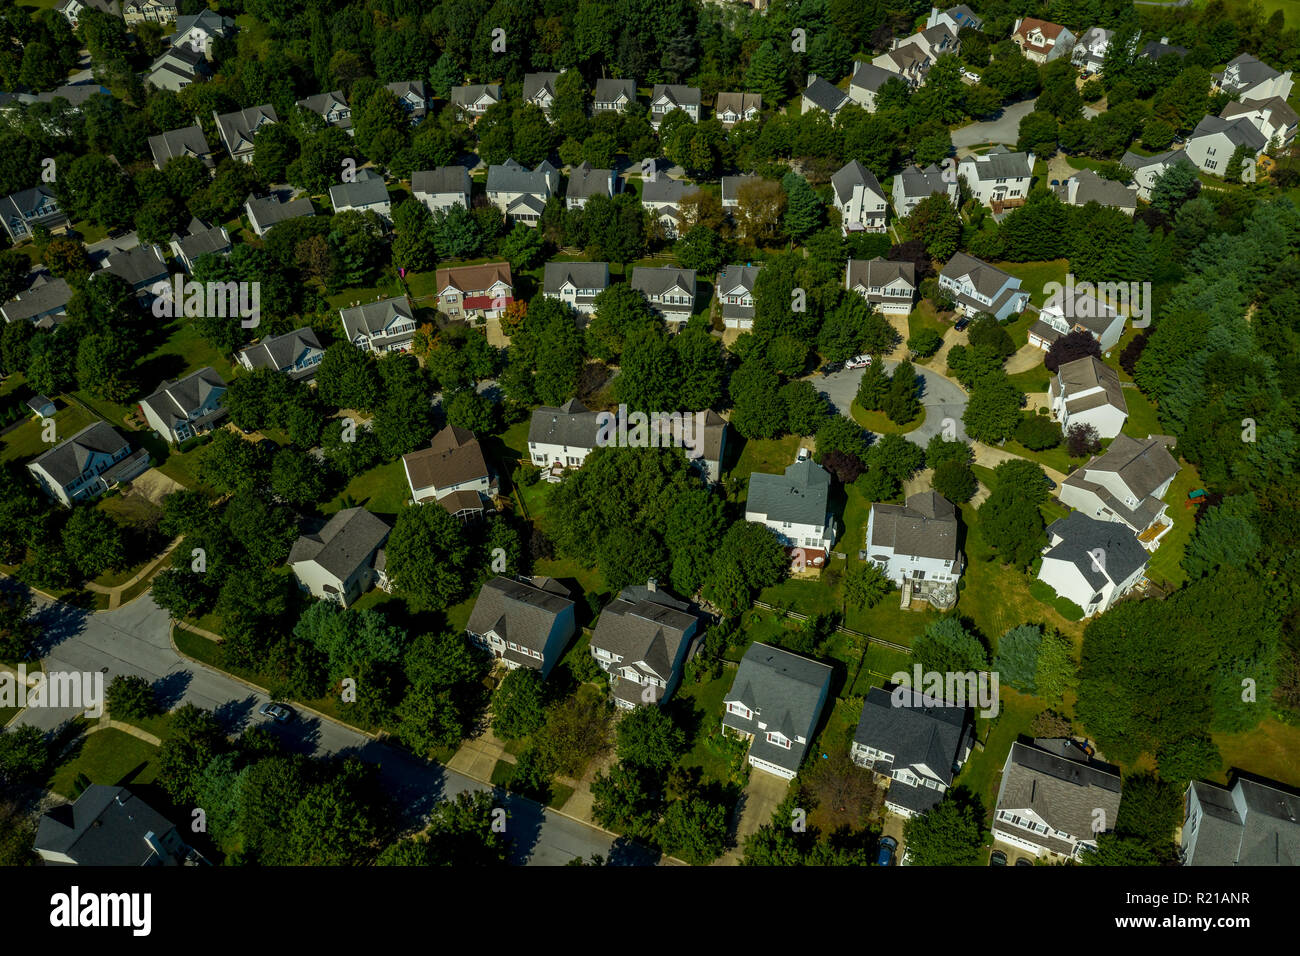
x,y
1038,433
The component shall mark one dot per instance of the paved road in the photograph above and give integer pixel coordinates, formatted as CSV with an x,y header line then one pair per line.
x,y
134,640
1005,129
941,398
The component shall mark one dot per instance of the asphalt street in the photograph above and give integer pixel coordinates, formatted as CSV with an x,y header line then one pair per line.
x,y
1004,129
134,640
943,400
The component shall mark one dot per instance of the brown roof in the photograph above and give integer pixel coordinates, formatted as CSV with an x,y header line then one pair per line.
x,y
459,501
1050,30
474,278
1086,374
926,526
452,458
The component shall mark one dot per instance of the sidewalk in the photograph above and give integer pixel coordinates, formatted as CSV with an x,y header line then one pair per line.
x,y
115,593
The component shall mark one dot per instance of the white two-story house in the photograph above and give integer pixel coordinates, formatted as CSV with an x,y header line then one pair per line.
x,y
562,438
88,464
1000,179
977,286
387,325
1087,392
440,189
1055,800
666,97
524,622
576,283
796,507
915,546
642,640
775,702
1090,562
669,290
860,200
889,286
735,287
190,406
521,193
1126,484
342,560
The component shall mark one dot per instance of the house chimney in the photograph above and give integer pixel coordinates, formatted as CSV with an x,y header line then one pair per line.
x,y
812,78
652,585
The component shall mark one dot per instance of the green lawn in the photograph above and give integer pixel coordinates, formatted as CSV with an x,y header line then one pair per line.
x,y
108,757
28,439
982,773
1057,457
1268,750
1035,379
382,490
1166,564
1143,419
714,753
769,455
1033,276
881,423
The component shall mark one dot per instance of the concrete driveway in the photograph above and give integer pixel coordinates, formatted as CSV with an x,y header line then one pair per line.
x,y
759,800
134,640
941,398
1005,129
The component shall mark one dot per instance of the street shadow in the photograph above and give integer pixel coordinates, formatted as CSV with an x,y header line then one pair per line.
x,y
234,715
169,690
301,735
57,623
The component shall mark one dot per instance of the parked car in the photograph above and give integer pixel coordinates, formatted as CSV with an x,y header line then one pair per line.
x,y
1056,182
886,855
998,858
830,368
858,361
962,323
1051,485
804,454
1023,861
280,713
971,75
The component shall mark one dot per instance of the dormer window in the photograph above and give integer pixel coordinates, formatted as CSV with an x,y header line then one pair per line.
x,y
739,709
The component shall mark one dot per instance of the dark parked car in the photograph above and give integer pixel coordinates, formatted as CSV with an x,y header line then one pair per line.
x,y
830,368
277,712
962,323
998,858
887,847
1051,485
1024,862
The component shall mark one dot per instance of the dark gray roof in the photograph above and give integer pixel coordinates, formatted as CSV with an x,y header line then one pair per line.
x,y
1134,161
1143,465
1082,536
242,124
645,628
825,95
207,20
1250,71
75,93
678,94
799,496
67,460
45,296
880,272
1093,188
784,691
466,96
586,180
656,280
444,179
511,177
923,182
269,211
868,76
187,141
1279,110
1251,823
854,174
519,611
1086,374
204,241
1000,163
1240,132
347,541
280,351
923,731
138,265
571,424
322,104
174,401
373,317
368,190
608,89
106,826
583,275
1064,792
987,279
1155,49
926,526
662,189
535,83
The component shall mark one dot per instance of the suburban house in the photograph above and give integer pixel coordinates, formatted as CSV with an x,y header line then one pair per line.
x,y
526,622
889,286
88,464
1040,40
775,702
859,198
999,179
237,129
295,354
332,107
575,283
77,94
824,96
1249,78
703,435
451,470
521,193
1090,49
979,287
1252,822
866,81
474,293
412,97
383,326
72,9
733,108
200,239
613,96
442,188
560,438
1054,799
915,545
338,562
641,640
141,267
913,184
1087,391
473,101
666,97
1085,186
660,197
731,189
586,181
27,208
267,211
1092,563
735,288
1273,117
1212,144
906,61
367,193
1147,169
187,141
670,290
44,303
197,31
1155,49
918,743
955,18
539,90
796,506
177,68
110,826
1126,484
148,11
187,407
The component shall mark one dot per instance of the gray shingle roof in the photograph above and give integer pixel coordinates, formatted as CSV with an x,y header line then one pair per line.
x,y
174,401
467,95
214,24
43,297
1240,132
662,189
1081,536
799,496
1267,835
369,189
571,424
204,240
676,93
279,351
923,182
1088,373
373,317
511,177
926,526
444,179
1143,465
924,730
269,210
1279,110
656,280
141,264
854,174
880,272
1135,162
1250,71
1093,188
347,541
608,89
523,612
1000,163
241,125
583,275
825,95
645,628
535,83
586,180
784,691
987,279
67,460
1063,791
187,141
97,830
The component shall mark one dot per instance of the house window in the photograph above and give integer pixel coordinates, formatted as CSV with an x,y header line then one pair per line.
x,y
739,709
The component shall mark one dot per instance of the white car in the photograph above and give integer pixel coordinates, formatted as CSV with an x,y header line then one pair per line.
x,y
858,361
973,77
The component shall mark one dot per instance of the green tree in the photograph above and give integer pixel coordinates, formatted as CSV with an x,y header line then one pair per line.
x,y
194,738
93,542
950,834
648,738
748,558
429,556
518,704
947,646
130,696
955,481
